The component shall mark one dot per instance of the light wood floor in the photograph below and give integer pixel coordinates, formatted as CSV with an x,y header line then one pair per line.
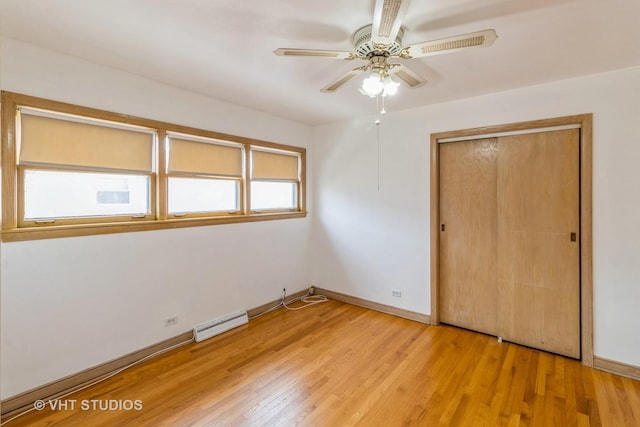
x,y
335,364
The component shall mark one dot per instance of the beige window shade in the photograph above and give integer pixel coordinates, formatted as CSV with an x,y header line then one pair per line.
x,y
46,140
269,165
204,158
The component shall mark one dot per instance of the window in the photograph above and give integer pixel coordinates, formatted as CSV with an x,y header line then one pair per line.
x,y
267,195
204,176
275,179
73,171
50,195
202,195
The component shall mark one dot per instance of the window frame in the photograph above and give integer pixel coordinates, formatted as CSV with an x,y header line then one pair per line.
x,y
200,175
15,228
203,214
296,182
278,209
92,219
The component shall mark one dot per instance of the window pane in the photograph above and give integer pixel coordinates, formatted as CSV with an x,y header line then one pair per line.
x,y
203,195
273,195
55,194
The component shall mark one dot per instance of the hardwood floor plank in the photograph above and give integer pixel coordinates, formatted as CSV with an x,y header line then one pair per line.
x,y
335,364
633,394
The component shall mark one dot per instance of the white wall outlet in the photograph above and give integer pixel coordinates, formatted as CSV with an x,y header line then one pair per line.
x,y
396,293
169,321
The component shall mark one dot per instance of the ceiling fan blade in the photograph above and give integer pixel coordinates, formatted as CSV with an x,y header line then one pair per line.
x,y
404,73
483,38
333,54
387,20
337,83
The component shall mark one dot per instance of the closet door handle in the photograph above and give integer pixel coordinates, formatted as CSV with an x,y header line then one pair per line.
x,y
573,237
441,227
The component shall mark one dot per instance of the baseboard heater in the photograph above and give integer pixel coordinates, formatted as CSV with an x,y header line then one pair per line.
x,y
221,324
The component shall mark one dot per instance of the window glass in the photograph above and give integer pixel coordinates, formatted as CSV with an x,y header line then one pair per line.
x,y
191,195
60,194
273,195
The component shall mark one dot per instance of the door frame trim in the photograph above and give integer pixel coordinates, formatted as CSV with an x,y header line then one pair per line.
x,y
585,123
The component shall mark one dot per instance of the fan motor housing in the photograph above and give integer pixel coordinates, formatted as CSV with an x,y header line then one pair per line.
x,y
366,48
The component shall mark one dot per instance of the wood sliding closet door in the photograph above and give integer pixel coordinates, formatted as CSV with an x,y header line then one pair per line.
x,y
469,238
538,241
509,243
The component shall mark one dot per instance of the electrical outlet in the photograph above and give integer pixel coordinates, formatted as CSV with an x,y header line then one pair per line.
x,y
169,321
396,293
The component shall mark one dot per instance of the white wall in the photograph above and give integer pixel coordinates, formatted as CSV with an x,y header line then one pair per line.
x,y
368,241
71,303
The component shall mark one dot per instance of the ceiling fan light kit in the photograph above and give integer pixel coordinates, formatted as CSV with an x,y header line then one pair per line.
x,y
379,84
381,41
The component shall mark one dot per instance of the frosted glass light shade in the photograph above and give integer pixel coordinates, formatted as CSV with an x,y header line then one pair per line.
x,y
372,85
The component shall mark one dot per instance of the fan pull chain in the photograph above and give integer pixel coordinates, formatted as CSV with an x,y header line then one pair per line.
x,y
378,138
381,112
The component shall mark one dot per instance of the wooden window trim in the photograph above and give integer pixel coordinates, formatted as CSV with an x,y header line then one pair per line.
x,y
274,210
207,214
237,176
297,182
99,219
13,231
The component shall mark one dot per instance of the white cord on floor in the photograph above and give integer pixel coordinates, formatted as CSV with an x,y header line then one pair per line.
x,y
309,299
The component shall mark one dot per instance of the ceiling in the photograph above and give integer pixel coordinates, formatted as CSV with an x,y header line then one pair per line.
x,y
223,48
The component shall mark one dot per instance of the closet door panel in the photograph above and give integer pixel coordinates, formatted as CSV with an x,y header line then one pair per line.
x,y
538,257
468,242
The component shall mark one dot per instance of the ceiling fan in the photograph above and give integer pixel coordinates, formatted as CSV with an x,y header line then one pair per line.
x,y
381,41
